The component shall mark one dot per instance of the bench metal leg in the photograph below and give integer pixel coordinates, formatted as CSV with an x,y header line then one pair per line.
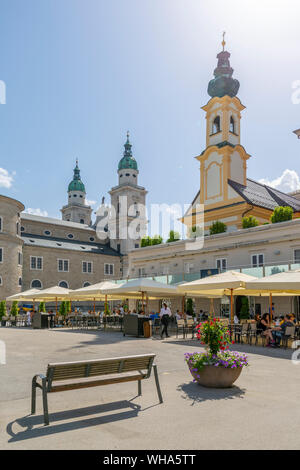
x,y
157,383
45,403
139,388
33,396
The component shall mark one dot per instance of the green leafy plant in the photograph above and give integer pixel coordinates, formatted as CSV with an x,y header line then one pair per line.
x,y
62,308
156,240
173,237
248,222
217,227
194,232
281,214
244,312
189,307
145,241
42,307
68,306
2,308
14,308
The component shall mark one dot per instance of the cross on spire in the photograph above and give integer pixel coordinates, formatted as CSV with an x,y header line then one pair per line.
x,y
224,42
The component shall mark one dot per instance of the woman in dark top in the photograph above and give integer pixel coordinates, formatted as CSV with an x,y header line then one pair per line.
x,y
265,327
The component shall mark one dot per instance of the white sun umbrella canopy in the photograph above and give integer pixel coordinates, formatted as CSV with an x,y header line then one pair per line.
x,y
53,293
226,283
93,291
284,282
143,286
21,296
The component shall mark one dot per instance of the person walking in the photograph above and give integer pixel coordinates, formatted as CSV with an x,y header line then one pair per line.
x,y
165,315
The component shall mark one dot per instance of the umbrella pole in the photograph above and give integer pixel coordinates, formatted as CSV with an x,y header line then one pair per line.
x,y
147,305
56,305
94,305
183,305
270,300
142,300
231,306
105,303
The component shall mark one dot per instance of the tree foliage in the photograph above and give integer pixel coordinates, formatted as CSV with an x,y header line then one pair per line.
x,y
173,236
14,308
248,222
281,214
217,227
2,308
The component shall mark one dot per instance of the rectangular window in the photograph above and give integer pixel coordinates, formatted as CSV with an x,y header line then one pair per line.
x,y
36,262
1,224
188,267
221,264
1,255
296,256
142,272
20,258
257,260
87,267
63,265
109,269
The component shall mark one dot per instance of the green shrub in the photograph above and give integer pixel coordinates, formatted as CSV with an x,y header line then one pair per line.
x,y
42,307
156,240
173,237
244,312
14,308
145,241
194,232
2,308
217,227
189,307
248,222
62,308
281,214
68,306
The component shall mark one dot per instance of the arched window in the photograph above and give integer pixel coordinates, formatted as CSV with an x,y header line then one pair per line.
x,y
36,284
86,284
64,284
232,125
81,221
20,281
216,127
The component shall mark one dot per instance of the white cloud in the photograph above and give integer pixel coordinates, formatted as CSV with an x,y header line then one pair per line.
x,y
6,179
37,211
289,181
90,202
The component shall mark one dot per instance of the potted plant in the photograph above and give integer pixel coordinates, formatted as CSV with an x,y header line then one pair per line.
x,y
217,367
2,312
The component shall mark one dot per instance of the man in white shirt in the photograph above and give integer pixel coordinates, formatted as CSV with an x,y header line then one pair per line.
x,y
165,315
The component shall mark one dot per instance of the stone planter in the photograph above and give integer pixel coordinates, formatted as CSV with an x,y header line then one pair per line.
x,y
217,377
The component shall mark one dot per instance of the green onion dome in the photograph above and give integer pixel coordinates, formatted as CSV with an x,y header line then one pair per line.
x,y
76,184
128,161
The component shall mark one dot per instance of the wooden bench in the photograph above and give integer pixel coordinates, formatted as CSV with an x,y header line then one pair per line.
x,y
66,376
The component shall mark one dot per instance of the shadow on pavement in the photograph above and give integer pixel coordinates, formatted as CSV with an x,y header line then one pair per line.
x,y
34,424
197,394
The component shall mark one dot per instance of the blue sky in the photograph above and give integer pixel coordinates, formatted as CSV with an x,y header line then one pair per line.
x,y
79,73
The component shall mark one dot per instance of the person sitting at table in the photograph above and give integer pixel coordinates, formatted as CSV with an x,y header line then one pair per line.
x,y
293,318
236,319
265,327
279,332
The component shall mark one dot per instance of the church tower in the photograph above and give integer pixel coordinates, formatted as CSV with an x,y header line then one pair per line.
x,y
223,163
77,210
128,223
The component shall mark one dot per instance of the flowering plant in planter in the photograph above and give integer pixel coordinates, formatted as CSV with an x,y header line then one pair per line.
x,y
215,335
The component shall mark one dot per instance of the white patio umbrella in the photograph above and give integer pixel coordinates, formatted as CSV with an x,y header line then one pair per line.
x,y
285,282
139,288
95,292
225,283
52,293
23,295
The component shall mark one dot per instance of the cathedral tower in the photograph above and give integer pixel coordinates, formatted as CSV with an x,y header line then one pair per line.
x,y
77,210
128,201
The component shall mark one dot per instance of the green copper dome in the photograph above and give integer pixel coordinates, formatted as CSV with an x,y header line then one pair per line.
x,y
76,184
128,161
223,83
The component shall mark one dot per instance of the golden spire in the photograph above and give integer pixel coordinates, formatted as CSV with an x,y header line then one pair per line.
x,y
223,42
